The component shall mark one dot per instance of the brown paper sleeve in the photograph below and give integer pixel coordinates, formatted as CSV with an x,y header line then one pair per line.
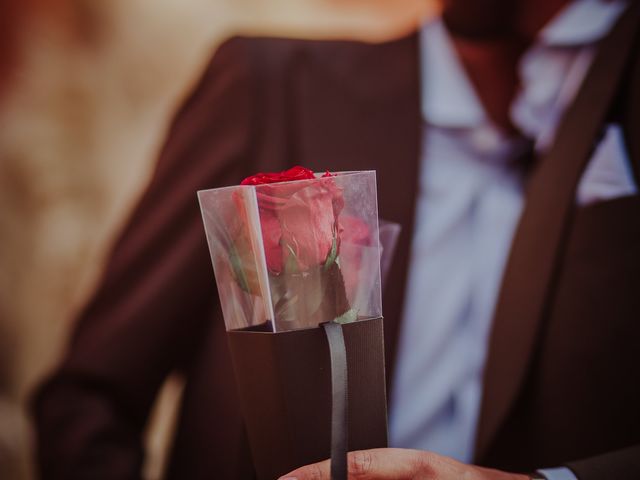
x,y
285,393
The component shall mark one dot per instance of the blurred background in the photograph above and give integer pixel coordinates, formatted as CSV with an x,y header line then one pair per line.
x,y
87,89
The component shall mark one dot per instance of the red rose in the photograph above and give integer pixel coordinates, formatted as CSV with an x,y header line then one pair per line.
x,y
295,173
298,219
312,260
354,230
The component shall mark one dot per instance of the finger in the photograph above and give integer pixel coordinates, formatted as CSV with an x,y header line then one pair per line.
x,y
377,464
314,471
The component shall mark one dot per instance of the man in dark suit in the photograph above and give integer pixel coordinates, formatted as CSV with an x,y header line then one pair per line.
x,y
556,342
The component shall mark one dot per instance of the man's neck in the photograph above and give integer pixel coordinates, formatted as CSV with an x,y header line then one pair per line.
x,y
492,69
491,62
533,15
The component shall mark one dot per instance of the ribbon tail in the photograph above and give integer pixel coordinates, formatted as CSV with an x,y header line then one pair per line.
x,y
339,400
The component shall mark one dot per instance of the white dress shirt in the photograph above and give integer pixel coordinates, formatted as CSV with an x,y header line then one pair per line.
x,y
469,202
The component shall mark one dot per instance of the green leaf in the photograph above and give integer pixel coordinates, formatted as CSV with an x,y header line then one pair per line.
x,y
238,270
349,316
291,265
333,253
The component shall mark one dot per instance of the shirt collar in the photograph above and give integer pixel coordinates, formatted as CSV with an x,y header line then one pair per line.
x,y
448,97
581,22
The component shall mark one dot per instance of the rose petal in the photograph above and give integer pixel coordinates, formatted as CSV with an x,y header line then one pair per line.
x,y
294,173
271,235
308,225
354,235
354,230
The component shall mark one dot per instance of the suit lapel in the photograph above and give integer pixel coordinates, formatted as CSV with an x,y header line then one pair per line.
x,y
358,108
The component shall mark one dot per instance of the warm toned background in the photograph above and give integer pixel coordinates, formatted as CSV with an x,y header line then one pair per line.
x,y
93,86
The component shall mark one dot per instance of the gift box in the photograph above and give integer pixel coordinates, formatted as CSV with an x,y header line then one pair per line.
x,y
297,258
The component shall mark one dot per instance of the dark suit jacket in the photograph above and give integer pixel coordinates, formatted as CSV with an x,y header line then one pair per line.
x,y
561,383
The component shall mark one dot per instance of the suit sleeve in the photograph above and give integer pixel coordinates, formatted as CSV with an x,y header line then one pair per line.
x,y
156,294
621,465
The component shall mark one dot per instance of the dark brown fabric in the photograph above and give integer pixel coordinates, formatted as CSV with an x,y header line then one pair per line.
x,y
628,113
264,104
533,261
614,465
573,343
582,393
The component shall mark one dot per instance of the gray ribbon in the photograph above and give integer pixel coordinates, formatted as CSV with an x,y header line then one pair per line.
x,y
339,400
